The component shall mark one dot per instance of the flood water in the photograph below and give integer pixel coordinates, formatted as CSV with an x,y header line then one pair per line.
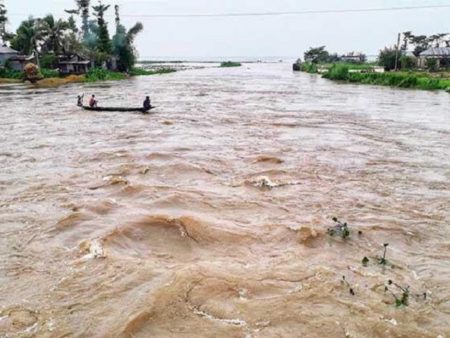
x,y
209,217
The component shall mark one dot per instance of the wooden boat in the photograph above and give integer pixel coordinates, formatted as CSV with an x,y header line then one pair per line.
x,y
119,109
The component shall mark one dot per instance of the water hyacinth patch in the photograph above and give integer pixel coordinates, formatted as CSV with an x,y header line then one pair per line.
x,y
340,229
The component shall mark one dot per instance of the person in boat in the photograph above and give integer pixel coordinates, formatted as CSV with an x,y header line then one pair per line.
x,y
147,103
93,102
80,101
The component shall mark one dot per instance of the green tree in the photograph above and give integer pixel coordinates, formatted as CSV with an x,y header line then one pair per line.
x,y
83,11
4,36
421,43
432,65
26,37
317,55
407,62
70,42
104,42
123,43
53,31
386,58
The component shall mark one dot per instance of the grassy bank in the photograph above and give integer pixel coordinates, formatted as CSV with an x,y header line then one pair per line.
x,y
364,74
419,80
313,68
51,78
230,64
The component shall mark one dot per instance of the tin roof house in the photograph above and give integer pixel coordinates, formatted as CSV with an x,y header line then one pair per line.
x,y
13,58
353,57
441,54
73,64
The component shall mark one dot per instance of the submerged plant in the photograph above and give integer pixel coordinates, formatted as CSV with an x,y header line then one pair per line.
x,y
365,261
350,289
403,298
383,260
340,229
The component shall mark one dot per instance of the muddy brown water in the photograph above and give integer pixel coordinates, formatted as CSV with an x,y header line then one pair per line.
x,y
209,217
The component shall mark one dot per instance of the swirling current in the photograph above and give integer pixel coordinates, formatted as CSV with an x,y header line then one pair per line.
x,y
209,216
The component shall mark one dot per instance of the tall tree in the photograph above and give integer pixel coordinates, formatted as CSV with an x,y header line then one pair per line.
x,y
3,20
83,11
387,57
104,42
406,39
122,43
54,32
26,38
317,55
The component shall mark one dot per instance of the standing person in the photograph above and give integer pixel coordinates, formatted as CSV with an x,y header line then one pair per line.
x,y
80,101
147,103
92,102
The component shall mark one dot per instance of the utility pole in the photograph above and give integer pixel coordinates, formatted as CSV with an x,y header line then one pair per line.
x,y
396,52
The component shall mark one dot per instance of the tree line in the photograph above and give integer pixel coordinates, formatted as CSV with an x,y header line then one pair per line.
x,y
48,37
390,57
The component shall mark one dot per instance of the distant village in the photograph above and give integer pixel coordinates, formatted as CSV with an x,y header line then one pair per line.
x,y
75,45
431,53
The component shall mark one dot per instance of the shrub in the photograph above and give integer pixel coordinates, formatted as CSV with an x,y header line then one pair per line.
x,y
432,65
48,61
10,74
386,58
32,73
407,62
337,72
100,74
47,73
230,64
141,71
309,67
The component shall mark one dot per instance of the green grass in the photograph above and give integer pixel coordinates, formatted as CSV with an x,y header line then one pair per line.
x,y
309,68
49,73
416,80
99,74
6,73
141,71
230,64
349,65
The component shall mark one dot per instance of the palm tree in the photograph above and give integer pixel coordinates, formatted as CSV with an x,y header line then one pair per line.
x,y
104,42
123,43
25,40
53,31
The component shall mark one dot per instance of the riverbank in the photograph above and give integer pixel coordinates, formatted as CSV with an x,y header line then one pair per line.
x,y
51,78
366,74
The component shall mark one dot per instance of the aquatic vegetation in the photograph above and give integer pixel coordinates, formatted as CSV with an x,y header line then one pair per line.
x,y
403,298
382,260
156,71
309,67
340,229
365,261
350,289
337,72
100,74
228,64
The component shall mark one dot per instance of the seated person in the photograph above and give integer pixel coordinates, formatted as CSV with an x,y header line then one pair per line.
x,y
93,102
147,103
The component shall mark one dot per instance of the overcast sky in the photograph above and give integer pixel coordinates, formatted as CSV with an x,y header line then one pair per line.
x,y
257,36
